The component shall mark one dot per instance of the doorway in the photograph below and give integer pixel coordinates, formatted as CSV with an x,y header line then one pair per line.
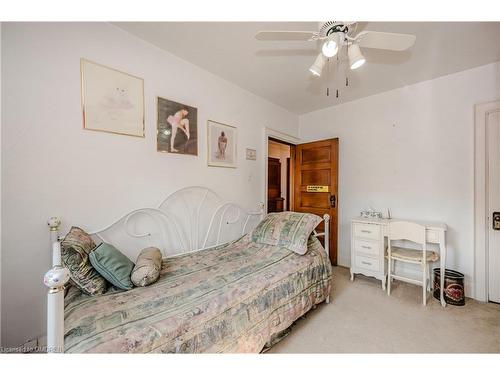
x,y
279,176
303,177
493,199
316,184
487,202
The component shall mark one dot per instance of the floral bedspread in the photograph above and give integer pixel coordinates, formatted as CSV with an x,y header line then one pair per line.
x,y
233,298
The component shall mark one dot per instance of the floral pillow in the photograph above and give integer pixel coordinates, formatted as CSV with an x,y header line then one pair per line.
x,y
75,250
286,229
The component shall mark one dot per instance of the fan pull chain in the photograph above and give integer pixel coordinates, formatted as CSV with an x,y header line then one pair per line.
x,y
327,74
346,76
338,65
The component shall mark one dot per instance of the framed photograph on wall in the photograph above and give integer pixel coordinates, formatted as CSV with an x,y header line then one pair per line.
x,y
112,101
177,130
221,145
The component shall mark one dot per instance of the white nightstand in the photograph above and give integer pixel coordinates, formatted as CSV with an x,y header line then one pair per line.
x,y
368,246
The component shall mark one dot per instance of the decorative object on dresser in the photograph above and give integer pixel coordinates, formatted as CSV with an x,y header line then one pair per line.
x,y
177,130
371,213
369,240
406,231
112,101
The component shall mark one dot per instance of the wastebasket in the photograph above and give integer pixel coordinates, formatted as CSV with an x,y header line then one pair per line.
x,y
453,286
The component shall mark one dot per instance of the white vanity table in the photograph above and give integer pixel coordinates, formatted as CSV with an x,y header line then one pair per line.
x,y
369,244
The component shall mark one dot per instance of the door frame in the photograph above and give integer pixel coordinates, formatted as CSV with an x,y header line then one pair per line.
x,y
481,214
280,136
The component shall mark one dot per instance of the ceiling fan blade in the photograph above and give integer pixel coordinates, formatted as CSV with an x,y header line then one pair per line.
x,y
389,41
286,35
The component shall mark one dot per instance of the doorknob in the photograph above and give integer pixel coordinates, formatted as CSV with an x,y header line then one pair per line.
x,y
333,201
496,220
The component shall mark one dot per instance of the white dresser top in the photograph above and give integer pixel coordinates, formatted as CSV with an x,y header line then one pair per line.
x,y
373,220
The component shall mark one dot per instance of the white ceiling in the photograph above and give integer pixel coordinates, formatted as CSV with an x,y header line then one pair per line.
x,y
278,71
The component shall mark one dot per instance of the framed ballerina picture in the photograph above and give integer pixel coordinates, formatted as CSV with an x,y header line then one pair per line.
x,y
221,145
112,101
177,130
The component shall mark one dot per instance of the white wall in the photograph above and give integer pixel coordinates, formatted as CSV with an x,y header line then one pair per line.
x,y
51,166
411,150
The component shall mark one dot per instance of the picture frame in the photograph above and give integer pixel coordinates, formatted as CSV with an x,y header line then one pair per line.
x,y
251,154
112,100
222,144
176,127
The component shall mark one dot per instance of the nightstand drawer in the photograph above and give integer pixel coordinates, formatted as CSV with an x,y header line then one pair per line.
x,y
367,263
368,231
366,247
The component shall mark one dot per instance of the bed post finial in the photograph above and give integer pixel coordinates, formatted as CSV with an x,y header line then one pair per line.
x,y
55,279
326,218
262,207
54,222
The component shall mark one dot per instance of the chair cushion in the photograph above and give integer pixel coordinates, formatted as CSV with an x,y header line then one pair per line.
x,y
411,255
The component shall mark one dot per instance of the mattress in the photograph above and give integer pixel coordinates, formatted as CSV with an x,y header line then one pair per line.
x,y
234,298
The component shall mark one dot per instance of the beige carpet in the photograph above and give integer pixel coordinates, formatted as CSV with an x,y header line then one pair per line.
x,y
361,318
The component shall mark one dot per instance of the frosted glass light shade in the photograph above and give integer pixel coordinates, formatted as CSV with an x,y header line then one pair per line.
x,y
318,65
356,58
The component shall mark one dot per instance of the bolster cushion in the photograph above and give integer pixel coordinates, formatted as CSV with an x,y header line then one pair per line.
x,y
147,267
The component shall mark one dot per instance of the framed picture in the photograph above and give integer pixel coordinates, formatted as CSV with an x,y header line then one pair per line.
x,y
251,154
112,101
221,145
177,130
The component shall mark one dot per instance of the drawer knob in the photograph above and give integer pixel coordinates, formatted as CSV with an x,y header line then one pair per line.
x,y
366,247
367,263
365,231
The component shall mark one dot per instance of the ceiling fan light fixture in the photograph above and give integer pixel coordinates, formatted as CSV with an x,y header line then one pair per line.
x,y
331,46
318,65
356,58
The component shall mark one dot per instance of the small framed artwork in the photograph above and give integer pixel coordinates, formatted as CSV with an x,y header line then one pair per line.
x,y
112,101
251,154
221,145
177,130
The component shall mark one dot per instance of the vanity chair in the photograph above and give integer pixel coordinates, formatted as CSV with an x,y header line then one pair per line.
x,y
407,231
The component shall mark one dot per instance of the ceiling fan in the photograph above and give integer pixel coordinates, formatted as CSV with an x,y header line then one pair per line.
x,y
337,35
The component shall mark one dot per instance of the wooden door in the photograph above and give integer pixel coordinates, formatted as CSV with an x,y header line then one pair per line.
x,y
493,165
274,199
316,164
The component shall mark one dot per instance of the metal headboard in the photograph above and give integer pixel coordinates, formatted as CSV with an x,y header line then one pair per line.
x,y
190,219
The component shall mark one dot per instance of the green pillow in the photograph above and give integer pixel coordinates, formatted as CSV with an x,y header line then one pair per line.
x,y
112,265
